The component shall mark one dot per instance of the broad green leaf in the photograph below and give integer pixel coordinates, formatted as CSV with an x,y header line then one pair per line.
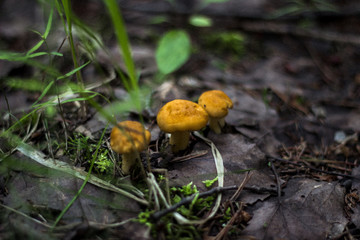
x,y
173,51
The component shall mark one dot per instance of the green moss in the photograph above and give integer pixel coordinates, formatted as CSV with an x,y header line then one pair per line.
x,y
168,226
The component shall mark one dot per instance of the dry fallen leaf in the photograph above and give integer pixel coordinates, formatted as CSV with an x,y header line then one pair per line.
x,y
308,210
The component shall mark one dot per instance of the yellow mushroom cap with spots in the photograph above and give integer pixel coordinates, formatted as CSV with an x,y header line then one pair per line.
x,y
181,115
216,103
129,136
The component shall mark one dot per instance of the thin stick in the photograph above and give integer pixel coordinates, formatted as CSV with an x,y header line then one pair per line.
x,y
231,222
241,187
8,107
278,184
189,156
157,215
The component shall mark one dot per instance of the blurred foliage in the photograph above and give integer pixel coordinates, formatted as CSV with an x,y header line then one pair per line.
x,y
300,7
226,42
173,51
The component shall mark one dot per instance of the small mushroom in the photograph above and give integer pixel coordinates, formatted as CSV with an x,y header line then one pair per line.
x,y
216,103
180,117
129,138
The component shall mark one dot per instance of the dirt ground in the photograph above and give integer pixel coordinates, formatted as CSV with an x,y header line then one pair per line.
x,y
292,136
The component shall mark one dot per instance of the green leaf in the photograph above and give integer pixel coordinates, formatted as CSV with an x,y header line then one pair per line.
x,y
173,51
200,21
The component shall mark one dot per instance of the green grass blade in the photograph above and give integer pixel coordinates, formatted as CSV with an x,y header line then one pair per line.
x,y
36,47
123,41
11,56
81,98
56,54
73,71
38,54
68,14
47,88
60,11
49,23
44,36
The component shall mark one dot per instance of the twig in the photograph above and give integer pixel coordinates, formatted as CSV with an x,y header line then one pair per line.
x,y
226,229
261,190
189,156
157,215
241,187
278,184
312,168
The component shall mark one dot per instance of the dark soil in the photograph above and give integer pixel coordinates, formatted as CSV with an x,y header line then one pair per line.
x,y
295,85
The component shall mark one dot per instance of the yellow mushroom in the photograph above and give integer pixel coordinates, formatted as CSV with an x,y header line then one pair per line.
x,y
216,103
129,138
180,117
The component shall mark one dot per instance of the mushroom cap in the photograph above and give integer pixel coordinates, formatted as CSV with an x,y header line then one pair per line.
x,y
216,103
129,136
181,115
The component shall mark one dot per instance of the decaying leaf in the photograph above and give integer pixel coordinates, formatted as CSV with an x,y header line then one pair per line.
x,y
308,210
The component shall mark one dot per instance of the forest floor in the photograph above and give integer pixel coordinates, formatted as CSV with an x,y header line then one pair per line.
x,y
290,146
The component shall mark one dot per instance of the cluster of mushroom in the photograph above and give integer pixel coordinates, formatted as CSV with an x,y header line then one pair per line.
x,y
178,117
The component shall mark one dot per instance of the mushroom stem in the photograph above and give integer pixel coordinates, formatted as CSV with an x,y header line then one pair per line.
x,y
129,161
179,140
216,124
